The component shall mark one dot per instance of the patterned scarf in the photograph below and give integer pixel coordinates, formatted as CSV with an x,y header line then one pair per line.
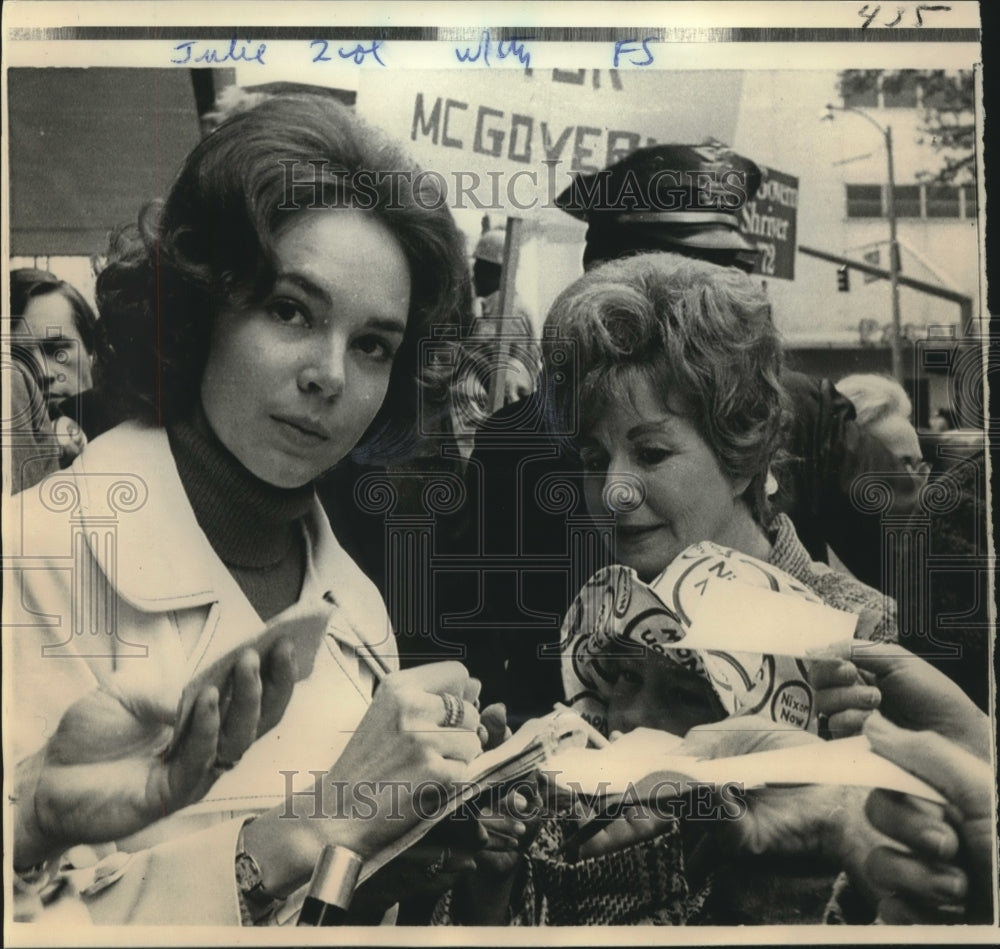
x,y
616,609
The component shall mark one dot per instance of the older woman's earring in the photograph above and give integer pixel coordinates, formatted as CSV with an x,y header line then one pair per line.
x,y
770,484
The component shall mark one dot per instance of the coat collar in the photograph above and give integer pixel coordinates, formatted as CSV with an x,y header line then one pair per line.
x,y
126,498
162,559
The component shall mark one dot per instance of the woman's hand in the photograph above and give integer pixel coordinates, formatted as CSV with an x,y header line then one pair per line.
x,y
462,853
802,821
366,800
949,861
509,826
816,821
494,729
854,678
825,823
105,773
636,822
418,875
69,437
404,740
840,827
728,738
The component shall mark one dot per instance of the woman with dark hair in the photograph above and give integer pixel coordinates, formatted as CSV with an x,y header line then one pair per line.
x,y
261,324
213,243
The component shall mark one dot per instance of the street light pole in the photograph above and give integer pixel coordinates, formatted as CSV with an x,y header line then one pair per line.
x,y
895,340
896,330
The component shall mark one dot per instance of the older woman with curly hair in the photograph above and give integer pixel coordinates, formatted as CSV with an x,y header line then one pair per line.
x,y
666,369
675,394
260,325
678,407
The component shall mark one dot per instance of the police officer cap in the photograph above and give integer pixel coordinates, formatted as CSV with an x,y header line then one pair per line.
x,y
666,197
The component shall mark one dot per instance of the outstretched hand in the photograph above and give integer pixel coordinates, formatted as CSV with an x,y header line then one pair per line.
x,y
813,820
853,678
510,824
106,773
948,863
419,875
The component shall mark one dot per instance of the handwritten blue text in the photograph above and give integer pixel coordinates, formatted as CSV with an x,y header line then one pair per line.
x,y
357,53
237,51
633,49
504,48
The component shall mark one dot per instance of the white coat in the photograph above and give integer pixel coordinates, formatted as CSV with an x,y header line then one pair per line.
x,y
107,574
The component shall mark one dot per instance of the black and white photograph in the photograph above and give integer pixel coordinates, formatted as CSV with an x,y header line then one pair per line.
x,y
497,465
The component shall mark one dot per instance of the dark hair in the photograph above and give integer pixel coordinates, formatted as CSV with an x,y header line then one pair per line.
x,y
698,332
211,243
27,284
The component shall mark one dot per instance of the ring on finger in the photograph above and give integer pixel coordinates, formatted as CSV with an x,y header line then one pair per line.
x,y
454,710
438,865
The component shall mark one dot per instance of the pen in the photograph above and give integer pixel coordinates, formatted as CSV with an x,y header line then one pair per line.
x,y
571,846
379,669
377,664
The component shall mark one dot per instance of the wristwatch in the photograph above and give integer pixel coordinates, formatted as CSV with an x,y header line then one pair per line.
x,y
255,901
248,878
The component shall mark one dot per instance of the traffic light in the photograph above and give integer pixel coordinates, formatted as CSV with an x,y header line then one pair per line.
x,y
843,279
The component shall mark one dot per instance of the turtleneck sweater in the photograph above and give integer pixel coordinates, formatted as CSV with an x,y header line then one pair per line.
x,y
255,528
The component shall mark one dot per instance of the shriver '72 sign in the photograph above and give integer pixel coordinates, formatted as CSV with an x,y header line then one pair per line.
x,y
769,221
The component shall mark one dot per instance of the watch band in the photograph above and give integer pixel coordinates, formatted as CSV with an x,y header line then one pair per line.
x,y
256,904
